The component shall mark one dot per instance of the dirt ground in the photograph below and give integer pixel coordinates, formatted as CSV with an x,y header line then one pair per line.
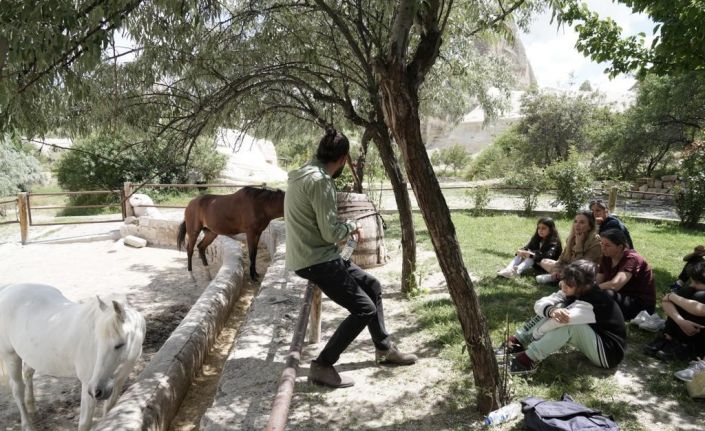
x,y
153,280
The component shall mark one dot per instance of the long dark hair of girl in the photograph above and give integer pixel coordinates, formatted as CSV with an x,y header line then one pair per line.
x,y
553,236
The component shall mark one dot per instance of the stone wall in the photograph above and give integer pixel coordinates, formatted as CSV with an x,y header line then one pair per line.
x,y
653,187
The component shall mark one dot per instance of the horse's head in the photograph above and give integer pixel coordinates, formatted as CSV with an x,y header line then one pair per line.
x,y
119,332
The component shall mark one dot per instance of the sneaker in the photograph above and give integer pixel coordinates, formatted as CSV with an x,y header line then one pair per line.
x,y
695,367
508,272
545,279
507,349
326,375
517,368
657,344
393,356
640,318
653,324
672,350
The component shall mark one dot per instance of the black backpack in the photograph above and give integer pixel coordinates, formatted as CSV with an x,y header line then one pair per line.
x,y
564,415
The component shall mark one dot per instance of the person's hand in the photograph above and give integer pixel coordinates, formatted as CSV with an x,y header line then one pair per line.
x,y
689,328
580,237
560,315
524,254
668,297
357,233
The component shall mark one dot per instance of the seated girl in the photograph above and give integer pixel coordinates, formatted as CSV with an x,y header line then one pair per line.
x,y
580,315
545,244
583,243
625,275
684,335
690,259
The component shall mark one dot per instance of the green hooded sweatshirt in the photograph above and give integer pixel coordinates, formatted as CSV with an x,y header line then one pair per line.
x,y
311,217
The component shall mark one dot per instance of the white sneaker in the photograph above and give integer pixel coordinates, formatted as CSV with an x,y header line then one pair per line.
x,y
545,279
640,318
694,368
508,272
653,324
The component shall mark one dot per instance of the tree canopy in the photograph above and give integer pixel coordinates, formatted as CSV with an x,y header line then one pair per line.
x,y
678,43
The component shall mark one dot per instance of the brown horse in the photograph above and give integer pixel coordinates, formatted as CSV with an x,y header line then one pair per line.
x,y
248,210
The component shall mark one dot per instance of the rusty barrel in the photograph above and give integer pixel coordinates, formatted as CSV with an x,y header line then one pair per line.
x,y
370,251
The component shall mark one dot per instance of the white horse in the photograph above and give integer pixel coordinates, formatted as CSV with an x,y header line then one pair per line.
x,y
44,331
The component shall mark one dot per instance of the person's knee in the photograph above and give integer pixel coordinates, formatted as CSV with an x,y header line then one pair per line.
x,y
366,311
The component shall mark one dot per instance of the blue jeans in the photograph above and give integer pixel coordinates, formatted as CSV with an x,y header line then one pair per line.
x,y
356,291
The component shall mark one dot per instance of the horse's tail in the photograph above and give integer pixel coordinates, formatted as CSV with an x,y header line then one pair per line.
x,y
181,237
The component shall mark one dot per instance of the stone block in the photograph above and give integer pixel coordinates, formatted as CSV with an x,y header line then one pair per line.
x,y
670,178
667,184
135,241
643,188
641,181
653,190
657,184
650,182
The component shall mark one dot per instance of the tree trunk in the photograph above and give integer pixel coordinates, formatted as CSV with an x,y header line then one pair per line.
x,y
400,106
408,235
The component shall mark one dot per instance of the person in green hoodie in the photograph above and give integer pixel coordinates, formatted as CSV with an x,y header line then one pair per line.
x,y
312,234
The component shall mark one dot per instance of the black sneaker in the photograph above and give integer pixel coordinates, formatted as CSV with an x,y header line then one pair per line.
x,y
507,349
517,368
673,350
656,345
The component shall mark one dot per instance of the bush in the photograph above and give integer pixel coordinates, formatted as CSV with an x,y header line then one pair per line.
x,y
481,198
20,169
573,183
690,196
498,158
531,181
105,161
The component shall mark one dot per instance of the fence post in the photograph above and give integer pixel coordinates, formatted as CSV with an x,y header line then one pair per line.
x,y
612,202
126,207
314,329
22,203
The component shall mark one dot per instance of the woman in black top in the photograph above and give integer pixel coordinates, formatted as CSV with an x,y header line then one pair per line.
x,y
545,244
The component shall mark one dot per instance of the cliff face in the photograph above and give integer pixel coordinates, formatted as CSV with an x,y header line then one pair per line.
x,y
470,132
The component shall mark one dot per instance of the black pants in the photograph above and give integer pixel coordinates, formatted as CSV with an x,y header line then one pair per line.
x,y
630,305
696,343
356,291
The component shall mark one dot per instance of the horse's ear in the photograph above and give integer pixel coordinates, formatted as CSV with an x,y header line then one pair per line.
x,y
101,304
119,311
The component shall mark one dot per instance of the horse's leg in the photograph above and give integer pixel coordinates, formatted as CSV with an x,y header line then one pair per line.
x,y
192,233
252,242
14,370
87,407
28,373
208,237
117,387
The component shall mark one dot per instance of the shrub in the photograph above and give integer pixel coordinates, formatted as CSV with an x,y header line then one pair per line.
x,y
531,181
19,170
500,157
481,198
573,182
690,196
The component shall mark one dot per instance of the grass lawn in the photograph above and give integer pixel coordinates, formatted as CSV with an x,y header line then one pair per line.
x,y
488,243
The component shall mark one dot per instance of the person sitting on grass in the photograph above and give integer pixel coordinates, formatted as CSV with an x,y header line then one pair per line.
x,y
684,334
690,259
545,244
606,221
625,275
580,314
582,243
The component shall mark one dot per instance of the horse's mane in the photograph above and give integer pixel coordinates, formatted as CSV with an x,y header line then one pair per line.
x,y
263,193
107,324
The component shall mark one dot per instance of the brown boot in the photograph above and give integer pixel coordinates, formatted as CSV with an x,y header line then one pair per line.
x,y
327,375
394,356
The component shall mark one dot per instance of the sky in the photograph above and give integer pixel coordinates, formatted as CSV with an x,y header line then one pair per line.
x,y
553,56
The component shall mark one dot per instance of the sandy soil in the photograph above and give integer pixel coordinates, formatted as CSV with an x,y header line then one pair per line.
x,y
153,280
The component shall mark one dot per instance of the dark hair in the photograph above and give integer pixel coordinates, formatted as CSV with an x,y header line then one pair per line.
x,y
580,274
332,146
599,203
616,237
696,271
588,215
553,236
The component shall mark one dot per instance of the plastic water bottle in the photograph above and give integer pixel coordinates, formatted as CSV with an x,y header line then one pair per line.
x,y
348,249
504,414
